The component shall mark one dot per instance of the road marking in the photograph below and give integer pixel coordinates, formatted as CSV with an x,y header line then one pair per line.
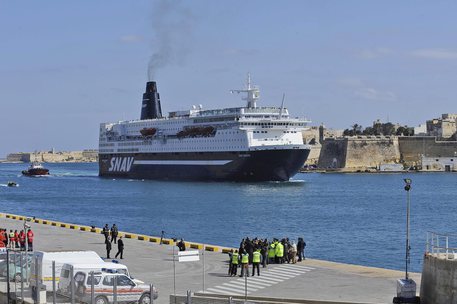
x,y
243,284
288,270
283,273
240,285
215,290
267,278
295,266
273,277
227,290
258,282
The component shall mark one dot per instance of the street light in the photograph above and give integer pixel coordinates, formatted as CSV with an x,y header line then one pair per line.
x,y
408,247
406,288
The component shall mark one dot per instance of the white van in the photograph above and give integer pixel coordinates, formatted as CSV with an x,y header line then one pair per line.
x,y
127,290
108,267
45,259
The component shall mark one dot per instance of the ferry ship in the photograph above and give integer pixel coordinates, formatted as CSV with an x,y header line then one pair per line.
x,y
247,143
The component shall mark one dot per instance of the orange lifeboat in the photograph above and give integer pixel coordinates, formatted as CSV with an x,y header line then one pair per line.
x,y
148,132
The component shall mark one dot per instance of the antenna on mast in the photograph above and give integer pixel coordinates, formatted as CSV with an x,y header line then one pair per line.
x,y
282,105
253,93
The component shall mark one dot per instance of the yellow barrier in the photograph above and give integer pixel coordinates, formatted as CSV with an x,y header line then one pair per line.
x,y
63,225
196,246
53,224
167,242
154,240
211,248
74,227
226,250
84,228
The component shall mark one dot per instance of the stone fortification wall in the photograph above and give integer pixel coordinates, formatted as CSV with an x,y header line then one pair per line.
x,y
438,283
313,157
333,153
55,157
412,148
365,152
358,153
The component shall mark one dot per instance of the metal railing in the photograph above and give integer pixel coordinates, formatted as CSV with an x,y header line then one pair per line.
x,y
442,244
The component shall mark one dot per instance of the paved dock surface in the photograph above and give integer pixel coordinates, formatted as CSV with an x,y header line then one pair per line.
x,y
153,263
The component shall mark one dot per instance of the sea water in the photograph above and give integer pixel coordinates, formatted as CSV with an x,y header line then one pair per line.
x,y
350,218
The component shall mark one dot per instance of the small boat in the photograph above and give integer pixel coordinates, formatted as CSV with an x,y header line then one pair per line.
x,y
12,184
35,169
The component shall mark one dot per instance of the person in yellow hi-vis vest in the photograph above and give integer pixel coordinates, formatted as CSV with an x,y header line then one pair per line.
x,y
271,253
234,264
256,262
279,253
244,264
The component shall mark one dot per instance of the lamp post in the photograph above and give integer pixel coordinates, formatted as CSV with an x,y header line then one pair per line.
x,y
406,288
408,202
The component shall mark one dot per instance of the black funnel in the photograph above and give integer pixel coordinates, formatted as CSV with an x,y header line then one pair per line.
x,y
151,102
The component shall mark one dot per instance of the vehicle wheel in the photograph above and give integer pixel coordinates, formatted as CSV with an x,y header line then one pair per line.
x,y
145,298
101,300
17,277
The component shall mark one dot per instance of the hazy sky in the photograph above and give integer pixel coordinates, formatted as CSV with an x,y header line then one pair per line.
x,y
66,66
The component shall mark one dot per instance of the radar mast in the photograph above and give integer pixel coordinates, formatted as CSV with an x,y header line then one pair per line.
x,y
252,93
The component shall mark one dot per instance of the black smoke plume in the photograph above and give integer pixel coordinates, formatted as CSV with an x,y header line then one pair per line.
x,y
172,25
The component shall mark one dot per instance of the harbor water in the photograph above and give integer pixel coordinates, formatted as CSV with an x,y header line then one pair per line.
x,y
350,218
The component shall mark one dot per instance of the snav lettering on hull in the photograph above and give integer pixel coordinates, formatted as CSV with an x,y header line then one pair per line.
x,y
120,164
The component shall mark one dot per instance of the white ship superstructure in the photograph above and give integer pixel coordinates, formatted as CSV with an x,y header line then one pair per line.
x,y
215,144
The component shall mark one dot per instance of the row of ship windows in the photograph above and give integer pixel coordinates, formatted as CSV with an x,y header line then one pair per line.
x,y
175,149
107,145
271,124
176,129
148,143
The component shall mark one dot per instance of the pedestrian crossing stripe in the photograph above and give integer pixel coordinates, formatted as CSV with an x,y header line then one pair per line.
x,y
257,282
283,273
292,270
267,278
297,267
234,284
250,284
272,277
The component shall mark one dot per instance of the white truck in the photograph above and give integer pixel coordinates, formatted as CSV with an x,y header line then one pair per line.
x,y
41,274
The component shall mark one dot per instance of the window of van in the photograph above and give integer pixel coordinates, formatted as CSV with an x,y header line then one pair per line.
x,y
108,280
65,273
124,281
96,280
122,271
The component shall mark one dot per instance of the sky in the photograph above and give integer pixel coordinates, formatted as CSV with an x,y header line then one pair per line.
x,y
66,66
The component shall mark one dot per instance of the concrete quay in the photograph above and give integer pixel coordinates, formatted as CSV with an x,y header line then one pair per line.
x,y
153,263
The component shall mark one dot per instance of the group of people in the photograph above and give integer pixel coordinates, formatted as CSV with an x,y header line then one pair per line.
x,y
111,235
16,240
262,252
